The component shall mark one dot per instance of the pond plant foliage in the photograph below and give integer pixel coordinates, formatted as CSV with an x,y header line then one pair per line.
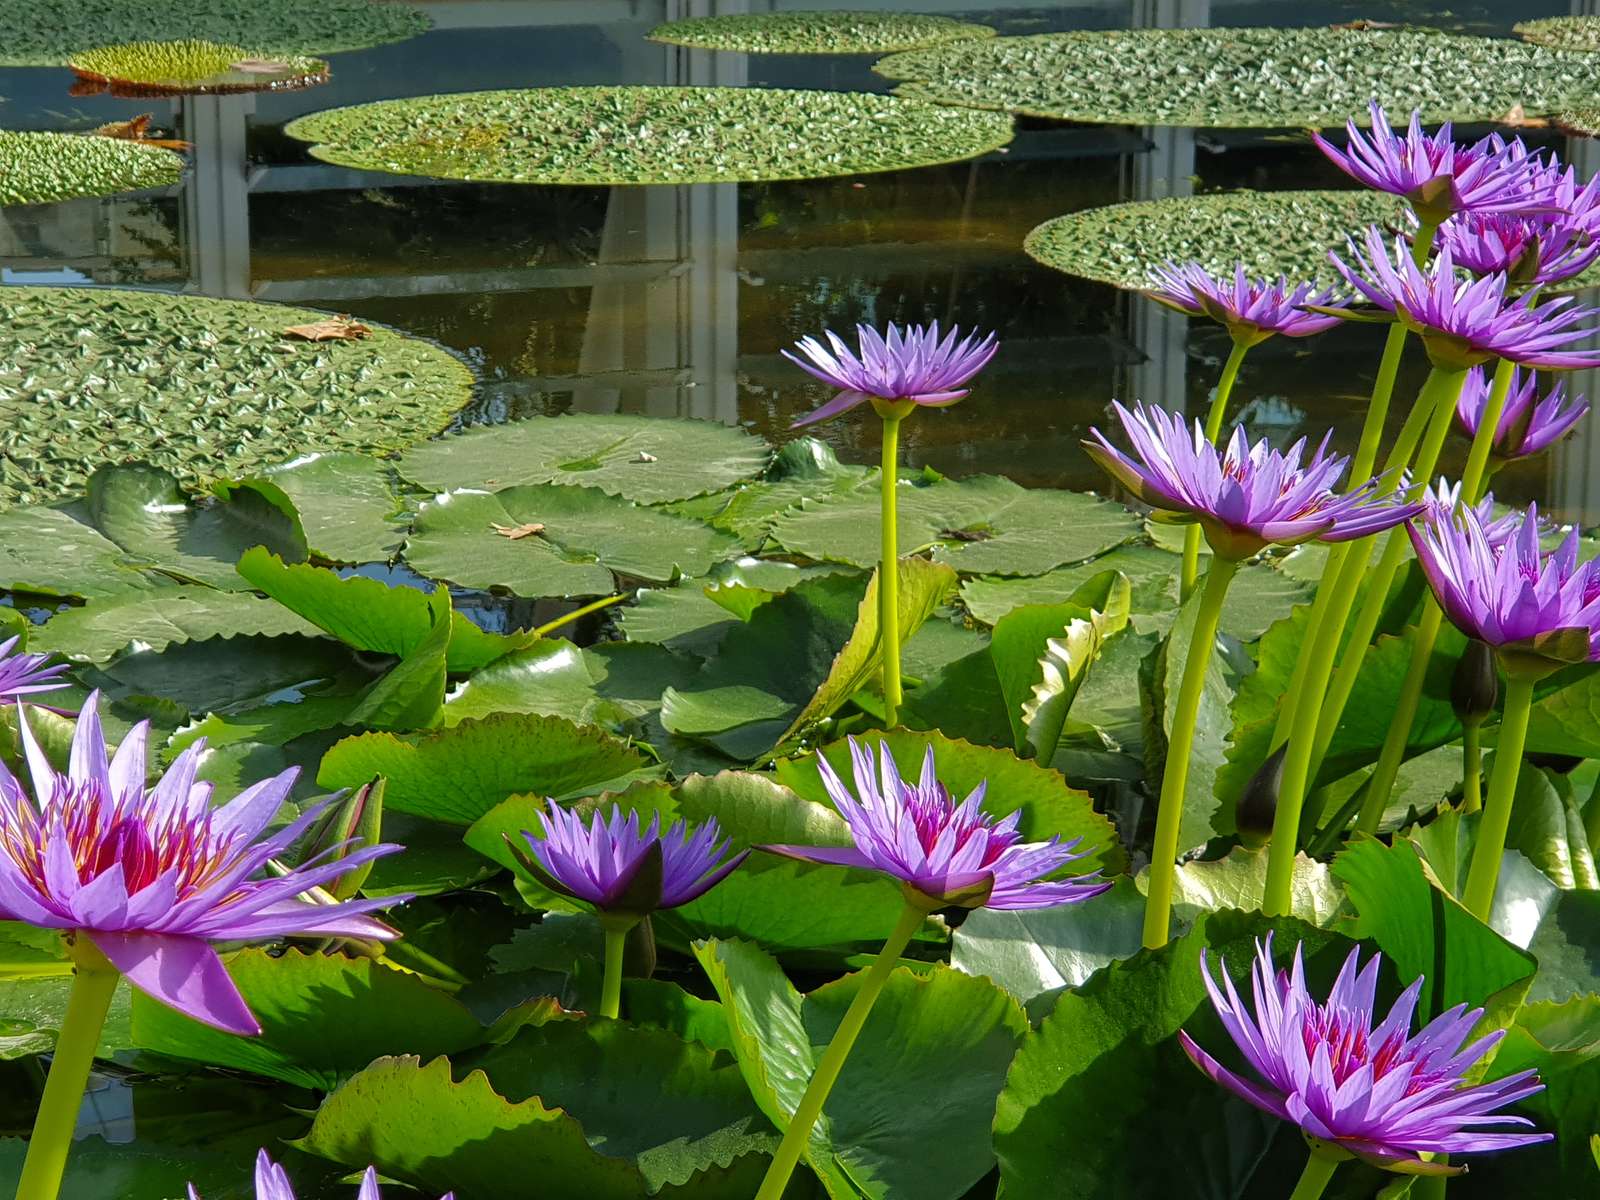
x,y
624,808
192,67
43,168
838,32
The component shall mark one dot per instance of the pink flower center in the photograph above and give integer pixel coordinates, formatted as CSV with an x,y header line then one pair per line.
x,y
1349,1049
931,812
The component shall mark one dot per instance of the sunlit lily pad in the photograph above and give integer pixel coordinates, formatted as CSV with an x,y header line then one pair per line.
x,y
841,32
1272,233
1562,33
192,67
41,168
621,135
205,388
1245,77
1584,122
45,33
648,459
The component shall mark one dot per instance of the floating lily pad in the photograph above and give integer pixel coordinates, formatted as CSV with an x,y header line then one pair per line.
x,y
1245,77
1272,233
192,67
41,168
985,525
45,33
816,32
647,459
556,541
1562,33
1584,122
622,135
205,388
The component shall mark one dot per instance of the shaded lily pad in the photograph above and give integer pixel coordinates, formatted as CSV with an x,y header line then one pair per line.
x,y
1244,77
98,375
816,32
45,33
647,459
1562,33
155,619
985,525
556,541
621,135
41,168
1272,233
191,67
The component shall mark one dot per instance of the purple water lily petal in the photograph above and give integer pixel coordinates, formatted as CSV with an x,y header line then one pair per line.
x,y
1527,248
1245,497
948,853
1529,423
1252,310
914,363
25,674
1368,1086
272,1183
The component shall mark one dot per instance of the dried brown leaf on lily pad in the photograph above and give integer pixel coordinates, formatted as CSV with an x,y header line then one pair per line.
x,y
330,329
137,130
513,533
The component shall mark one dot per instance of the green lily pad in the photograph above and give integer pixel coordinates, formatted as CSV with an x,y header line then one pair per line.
x,y
42,168
191,67
548,540
648,459
622,135
1272,233
156,619
1584,122
985,525
804,469
1562,33
45,33
1244,77
816,32
98,375
346,507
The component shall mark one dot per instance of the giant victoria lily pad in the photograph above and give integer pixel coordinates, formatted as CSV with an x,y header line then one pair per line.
x,y
205,388
841,32
42,168
192,67
1244,77
623,135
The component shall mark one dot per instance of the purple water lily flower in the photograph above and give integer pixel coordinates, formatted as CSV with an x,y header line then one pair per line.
x,y
1463,323
1244,497
1252,310
272,1183
151,877
943,853
623,870
907,365
1527,249
1367,1087
1437,176
1528,424
1445,497
25,674
1516,597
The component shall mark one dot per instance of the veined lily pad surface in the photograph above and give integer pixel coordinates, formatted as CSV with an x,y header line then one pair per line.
x,y
193,67
205,388
1272,233
840,32
622,135
47,33
1244,77
41,168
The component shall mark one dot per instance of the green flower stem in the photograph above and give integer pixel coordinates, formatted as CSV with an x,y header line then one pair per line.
x,y
1314,1179
1471,768
94,981
611,989
1175,776
1289,704
1393,754
1484,873
550,627
889,573
1378,407
1219,406
823,1078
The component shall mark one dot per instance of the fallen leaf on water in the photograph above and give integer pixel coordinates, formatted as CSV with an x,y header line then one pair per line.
x,y
513,532
136,130
330,329
1517,117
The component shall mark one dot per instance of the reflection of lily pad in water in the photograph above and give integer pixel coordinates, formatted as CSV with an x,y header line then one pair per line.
x,y
817,32
40,168
621,135
193,67
48,32
1245,77
1584,122
1272,233
1562,33
205,388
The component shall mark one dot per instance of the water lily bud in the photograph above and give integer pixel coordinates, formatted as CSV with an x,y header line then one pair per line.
x,y
1257,806
639,953
350,825
1475,687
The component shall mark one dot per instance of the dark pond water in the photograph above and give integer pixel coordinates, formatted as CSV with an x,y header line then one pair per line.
x,y
675,300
